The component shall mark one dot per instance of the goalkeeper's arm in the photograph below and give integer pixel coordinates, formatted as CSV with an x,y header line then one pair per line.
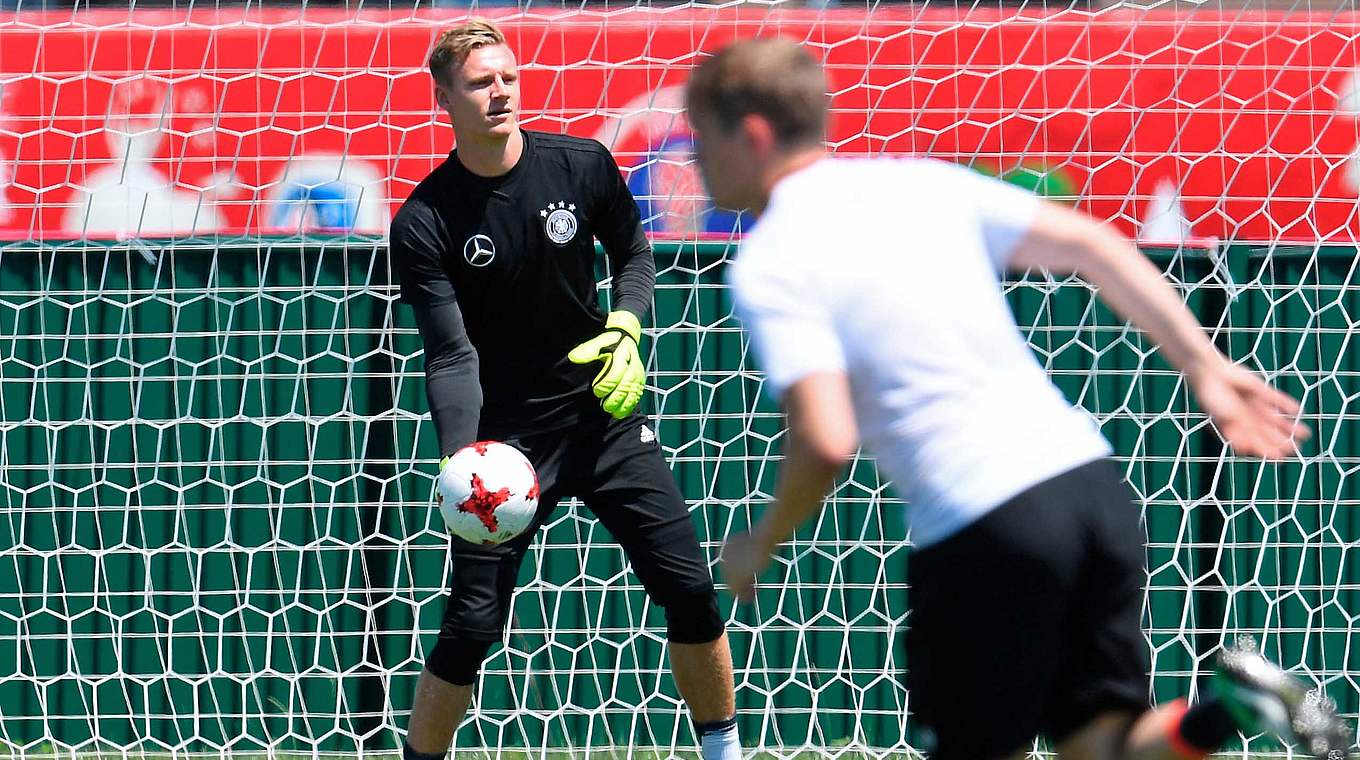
x,y
622,377
620,382
619,229
452,381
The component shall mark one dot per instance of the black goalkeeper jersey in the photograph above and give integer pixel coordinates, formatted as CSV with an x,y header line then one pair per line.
x,y
501,274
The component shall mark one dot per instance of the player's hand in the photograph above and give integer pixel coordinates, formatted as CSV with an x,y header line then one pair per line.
x,y
621,380
744,558
1254,418
438,494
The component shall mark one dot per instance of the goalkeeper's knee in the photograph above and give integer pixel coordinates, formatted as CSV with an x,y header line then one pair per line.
x,y
692,617
457,660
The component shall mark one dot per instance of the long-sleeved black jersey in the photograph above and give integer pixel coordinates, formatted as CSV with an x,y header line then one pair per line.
x,y
501,274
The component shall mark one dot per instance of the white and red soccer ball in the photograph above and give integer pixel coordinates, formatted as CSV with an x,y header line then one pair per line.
x,y
488,492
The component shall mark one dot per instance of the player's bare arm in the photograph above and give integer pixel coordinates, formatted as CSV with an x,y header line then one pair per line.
x,y
821,438
1254,418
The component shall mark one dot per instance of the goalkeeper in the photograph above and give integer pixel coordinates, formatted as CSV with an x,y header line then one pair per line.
x,y
494,252
872,291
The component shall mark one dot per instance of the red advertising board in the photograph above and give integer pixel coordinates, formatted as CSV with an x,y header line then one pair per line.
x,y
1236,125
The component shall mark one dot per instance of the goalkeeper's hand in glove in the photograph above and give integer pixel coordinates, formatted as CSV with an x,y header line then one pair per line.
x,y
620,382
439,492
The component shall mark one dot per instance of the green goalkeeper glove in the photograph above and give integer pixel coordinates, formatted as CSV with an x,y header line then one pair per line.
x,y
438,492
620,382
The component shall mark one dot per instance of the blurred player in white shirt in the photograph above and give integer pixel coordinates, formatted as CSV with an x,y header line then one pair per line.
x,y
872,291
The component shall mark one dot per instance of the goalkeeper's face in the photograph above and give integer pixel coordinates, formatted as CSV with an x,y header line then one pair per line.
x,y
482,99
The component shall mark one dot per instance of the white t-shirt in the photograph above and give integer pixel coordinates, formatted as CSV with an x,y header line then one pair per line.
x,y
888,269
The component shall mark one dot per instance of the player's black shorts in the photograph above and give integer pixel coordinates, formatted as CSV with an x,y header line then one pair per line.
x,y
1027,622
616,467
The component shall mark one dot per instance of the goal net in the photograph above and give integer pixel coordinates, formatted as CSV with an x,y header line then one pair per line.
x,y
215,458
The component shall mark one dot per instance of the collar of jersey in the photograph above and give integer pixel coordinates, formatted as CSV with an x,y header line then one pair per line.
x,y
466,176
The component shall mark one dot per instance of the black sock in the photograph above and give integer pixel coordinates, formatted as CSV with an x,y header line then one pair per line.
x,y
409,754
714,726
1207,724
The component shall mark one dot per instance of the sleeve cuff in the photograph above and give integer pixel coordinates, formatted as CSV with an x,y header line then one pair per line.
x,y
626,321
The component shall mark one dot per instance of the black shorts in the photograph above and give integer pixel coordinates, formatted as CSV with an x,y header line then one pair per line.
x,y
1027,621
617,468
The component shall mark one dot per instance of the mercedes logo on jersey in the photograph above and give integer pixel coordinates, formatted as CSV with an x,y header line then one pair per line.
x,y
479,250
559,221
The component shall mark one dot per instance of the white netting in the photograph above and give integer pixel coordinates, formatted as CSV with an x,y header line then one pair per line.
x,y
214,458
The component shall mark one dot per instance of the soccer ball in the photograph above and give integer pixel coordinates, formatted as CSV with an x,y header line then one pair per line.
x,y
488,492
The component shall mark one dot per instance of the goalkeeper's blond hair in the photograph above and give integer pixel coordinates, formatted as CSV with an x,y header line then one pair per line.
x,y
455,45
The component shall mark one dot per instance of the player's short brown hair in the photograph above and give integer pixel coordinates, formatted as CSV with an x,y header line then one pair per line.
x,y
774,78
453,47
